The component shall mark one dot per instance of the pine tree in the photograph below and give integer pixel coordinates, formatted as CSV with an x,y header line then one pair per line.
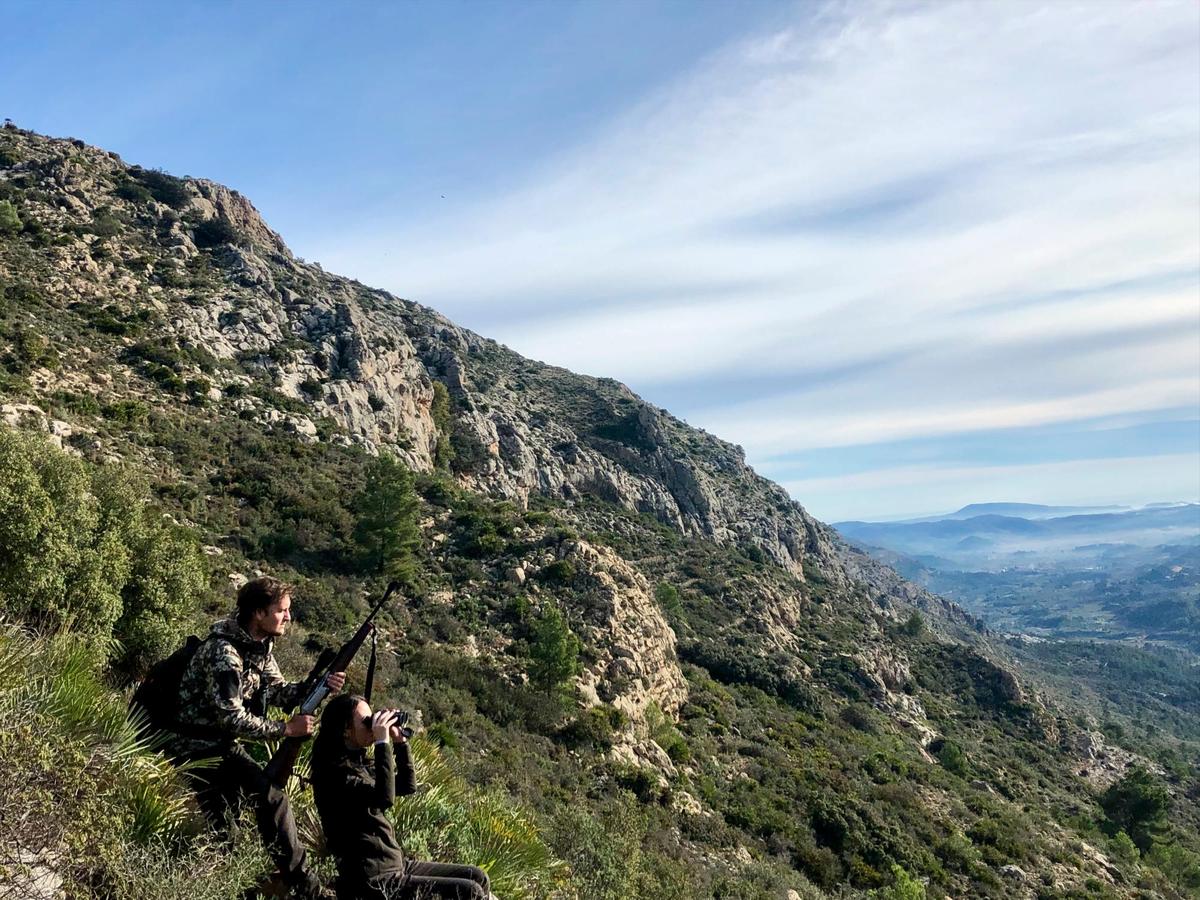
x,y
1137,805
387,529
554,653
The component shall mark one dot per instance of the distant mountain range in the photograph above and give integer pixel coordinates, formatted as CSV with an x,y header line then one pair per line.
x,y
1022,511
992,536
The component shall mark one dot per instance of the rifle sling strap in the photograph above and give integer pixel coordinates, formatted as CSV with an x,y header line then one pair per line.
x,y
370,670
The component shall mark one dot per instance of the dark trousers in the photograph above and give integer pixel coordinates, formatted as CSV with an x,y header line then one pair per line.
x,y
424,881
236,779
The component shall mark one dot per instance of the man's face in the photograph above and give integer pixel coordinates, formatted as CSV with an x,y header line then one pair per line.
x,y
273,621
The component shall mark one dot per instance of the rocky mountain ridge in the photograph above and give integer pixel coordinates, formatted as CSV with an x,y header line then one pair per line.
x,y
367,361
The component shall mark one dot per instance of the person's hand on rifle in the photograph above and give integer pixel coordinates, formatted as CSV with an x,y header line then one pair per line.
x,y
335,681
298,726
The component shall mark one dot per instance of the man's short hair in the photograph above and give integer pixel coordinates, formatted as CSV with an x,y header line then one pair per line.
x,y
259,594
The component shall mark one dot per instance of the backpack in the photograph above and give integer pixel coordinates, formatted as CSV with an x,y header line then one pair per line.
x,y
156,700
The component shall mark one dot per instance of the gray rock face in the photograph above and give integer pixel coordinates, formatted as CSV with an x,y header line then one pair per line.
x,y
217,201
1101,763
26,415
367,360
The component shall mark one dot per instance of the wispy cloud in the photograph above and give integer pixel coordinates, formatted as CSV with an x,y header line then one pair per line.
x,y
975,216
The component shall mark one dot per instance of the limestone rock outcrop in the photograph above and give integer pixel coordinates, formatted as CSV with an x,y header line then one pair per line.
x,y
634,662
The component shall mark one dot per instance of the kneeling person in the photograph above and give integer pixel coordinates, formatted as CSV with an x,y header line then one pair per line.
x,y
224,695
352,795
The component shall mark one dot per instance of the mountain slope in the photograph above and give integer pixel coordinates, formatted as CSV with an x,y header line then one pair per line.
x,y
766,692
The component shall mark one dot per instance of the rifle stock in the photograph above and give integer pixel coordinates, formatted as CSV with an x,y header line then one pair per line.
x,y
280,767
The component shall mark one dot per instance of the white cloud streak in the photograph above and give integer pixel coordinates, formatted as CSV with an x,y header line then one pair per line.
x,y
879,181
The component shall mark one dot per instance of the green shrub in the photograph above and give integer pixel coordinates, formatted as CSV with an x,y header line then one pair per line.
x,y
467,453
1178,863
914,625
163,187
593,728
106,223
168,577
111,319
483,530
214,232
559,572
884,768
668,598
952,758
754,553
79,546
957,852
820,864
127,412
858,716
1121,847
30,350
133,191
664,733
1002,838
81,404
604,849
903,887
10,222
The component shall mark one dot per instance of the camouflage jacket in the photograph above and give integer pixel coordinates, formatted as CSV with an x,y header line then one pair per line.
x,y
226,691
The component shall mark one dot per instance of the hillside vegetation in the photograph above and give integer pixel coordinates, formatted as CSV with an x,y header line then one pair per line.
x,y
642,670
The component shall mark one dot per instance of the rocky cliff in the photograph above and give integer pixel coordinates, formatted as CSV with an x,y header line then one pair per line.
x,y
368,360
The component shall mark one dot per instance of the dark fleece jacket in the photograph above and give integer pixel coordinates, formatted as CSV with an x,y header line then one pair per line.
x,y
352,800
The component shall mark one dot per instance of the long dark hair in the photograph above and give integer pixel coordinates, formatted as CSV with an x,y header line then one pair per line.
x,y
329,746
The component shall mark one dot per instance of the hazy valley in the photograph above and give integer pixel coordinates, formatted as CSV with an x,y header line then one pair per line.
x,y
1118,575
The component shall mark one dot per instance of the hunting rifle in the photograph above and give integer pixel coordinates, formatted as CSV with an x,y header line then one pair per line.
x,y
279,769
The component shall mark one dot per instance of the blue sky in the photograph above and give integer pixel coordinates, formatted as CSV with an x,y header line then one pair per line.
x,y
909,255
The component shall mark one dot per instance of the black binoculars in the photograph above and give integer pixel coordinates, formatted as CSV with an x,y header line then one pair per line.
x,y
401,720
